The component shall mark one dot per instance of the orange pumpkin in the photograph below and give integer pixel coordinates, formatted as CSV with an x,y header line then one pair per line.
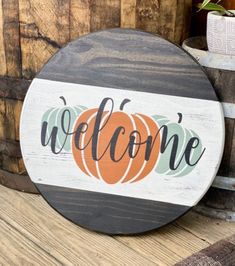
x,y
125,168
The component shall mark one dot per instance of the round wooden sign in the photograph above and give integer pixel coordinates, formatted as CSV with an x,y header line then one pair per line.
x,y
122,132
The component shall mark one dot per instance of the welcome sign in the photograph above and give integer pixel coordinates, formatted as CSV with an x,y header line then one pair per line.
x,y
122,140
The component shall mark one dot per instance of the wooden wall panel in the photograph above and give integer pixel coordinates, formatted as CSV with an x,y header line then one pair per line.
x,y
44,28
105,14
168,11
168,18
79,18
128,13
2,118
183,20
147,15
12,119
3,69
10,25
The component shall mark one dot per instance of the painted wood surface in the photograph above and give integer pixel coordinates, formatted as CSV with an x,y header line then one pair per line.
x,y
110,213
105,185
31,31
131,68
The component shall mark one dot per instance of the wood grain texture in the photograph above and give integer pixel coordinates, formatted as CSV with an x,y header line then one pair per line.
x,y
3,65
32,223
168,18
11,36
212,230
11,164
183,21
17,181
167,21
31,32
104,14
10,148
12,118
15,89
58,238
224,82
220,199
125,68
24,251
148,15
44,27
227,161
80,15
2,118
162,245
12,93
128,14
110,214
221,253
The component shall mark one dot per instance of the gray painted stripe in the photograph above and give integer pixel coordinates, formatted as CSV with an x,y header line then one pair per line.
x,y
111,214
130,59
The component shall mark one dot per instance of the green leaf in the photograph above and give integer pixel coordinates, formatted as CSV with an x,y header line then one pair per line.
x,y
212,7
204,3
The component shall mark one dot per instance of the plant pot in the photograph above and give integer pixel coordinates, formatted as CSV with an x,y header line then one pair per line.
x,y
221,33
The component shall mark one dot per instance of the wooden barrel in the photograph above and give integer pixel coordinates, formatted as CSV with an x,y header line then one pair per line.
x,y
220,200
12,170
32,31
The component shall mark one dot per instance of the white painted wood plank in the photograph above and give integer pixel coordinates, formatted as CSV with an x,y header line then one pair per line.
x,y
202,116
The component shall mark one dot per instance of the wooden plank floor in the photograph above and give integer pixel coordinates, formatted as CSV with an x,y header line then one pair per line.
x,y
32,233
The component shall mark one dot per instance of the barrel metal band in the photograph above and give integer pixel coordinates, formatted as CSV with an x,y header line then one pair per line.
x,y
223,182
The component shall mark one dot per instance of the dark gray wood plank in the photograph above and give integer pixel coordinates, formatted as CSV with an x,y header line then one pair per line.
x,y
111,214
129,59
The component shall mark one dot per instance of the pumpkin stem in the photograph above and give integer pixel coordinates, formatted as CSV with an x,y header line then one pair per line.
x,y
63,99
180,117
124,102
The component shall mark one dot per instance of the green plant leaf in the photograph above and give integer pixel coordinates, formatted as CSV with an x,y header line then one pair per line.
x,y
212,7
204,3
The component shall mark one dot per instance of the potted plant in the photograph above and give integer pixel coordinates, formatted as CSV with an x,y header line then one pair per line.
x,y
220,28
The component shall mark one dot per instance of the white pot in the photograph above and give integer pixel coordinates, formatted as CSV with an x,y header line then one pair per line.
x,y
221,33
